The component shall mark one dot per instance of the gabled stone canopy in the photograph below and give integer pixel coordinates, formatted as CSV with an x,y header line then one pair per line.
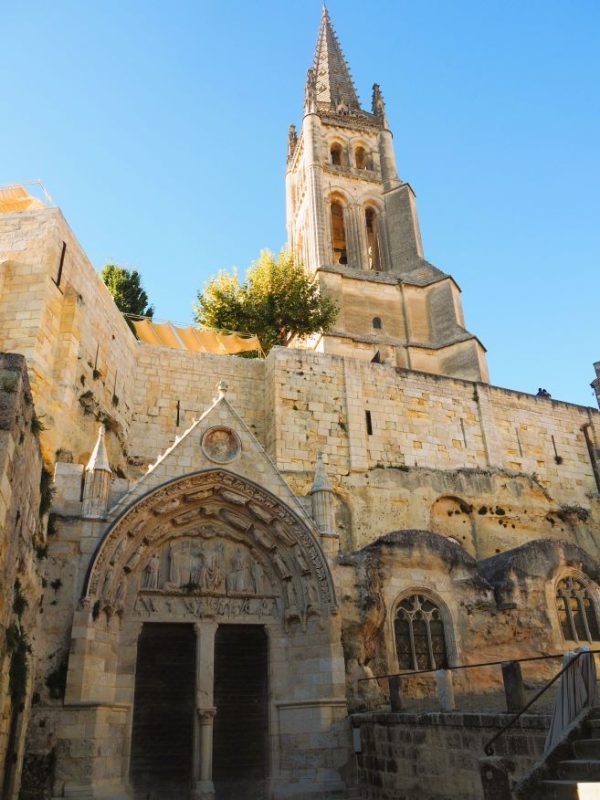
x,y
205,489
189,454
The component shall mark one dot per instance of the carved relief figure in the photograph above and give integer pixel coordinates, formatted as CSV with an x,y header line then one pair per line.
x,y
220,445
239,578
280,565
151,576
117,552
135,558
213,573
258,577
179,565
312,597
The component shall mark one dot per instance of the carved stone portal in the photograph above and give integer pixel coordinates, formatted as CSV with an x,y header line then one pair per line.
x,y
211,545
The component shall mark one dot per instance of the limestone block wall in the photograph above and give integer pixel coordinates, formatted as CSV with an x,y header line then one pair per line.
x,y
511,467
22,546
402,754
395,441
56,311
174,387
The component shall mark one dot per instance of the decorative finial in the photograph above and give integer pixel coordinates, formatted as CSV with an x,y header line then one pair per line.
x,y
321,481
292,141
379,104
99,458
310,93
223,386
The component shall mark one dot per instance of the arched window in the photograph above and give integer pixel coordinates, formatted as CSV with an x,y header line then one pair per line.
x,y
335,154
377,323
576,612
360,158
420,637
372,238
338,232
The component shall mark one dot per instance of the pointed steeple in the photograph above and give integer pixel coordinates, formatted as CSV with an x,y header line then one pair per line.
x,y
96,487
334,84
99,458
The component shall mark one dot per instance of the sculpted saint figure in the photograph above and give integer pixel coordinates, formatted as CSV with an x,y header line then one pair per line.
x,y
239,579
258,576
280,565
213,575
151,575
179,566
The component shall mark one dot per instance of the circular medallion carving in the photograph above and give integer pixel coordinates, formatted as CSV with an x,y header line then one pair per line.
x,y
221,445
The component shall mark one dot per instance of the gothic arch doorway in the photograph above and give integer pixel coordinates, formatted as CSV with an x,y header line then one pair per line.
x,y
214,559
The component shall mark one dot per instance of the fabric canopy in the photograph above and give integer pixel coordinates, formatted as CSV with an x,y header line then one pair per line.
x,y
198,341
16,198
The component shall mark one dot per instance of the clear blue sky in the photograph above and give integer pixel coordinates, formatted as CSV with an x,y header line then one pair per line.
x,y
160,129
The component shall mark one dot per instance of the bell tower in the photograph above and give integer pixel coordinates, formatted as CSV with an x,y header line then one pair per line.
x,y
353,221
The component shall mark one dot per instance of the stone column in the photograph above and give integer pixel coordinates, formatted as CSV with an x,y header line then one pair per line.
x,y
205,710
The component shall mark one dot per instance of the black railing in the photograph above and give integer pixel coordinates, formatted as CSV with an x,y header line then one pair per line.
x,y
395,677
410,673
489,750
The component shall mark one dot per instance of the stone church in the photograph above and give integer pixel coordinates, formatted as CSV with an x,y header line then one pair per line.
x,y
203,556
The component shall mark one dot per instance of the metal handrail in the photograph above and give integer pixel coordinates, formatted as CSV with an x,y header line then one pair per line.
x,y
488,749
410,673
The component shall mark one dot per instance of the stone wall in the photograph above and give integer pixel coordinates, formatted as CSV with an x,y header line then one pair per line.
x,y
56,311
22,545
436,756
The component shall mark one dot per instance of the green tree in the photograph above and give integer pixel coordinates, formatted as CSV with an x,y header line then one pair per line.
x,y
126,289
277,300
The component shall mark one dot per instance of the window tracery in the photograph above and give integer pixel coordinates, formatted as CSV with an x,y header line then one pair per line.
x,y
420,634
576,612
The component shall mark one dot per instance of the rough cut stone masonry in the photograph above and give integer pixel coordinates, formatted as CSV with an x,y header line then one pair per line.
x,y
357,517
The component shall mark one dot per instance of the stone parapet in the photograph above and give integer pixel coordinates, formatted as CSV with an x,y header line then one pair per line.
x,y
402,753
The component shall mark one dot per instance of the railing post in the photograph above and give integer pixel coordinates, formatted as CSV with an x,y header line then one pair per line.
x,y
395,693
514,690
445,689
494,773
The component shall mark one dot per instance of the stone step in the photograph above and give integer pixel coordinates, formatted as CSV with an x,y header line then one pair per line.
x,y
587,748
579,769
568,790
593,728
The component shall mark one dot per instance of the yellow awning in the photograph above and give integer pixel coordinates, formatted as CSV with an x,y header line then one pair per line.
x,y
16,198
197,341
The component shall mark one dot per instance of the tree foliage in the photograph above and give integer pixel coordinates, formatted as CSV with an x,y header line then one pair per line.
x,y
277,300
126,289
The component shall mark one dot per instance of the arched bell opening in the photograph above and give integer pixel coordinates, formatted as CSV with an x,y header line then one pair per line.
x,y
338,233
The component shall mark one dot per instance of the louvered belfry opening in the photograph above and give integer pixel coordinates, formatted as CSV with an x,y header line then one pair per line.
x,y
163,714
241,721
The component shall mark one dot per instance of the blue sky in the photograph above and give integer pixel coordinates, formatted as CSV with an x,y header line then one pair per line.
x,y
160,130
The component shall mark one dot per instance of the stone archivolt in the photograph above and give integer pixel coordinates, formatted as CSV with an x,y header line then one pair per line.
x,y
210,544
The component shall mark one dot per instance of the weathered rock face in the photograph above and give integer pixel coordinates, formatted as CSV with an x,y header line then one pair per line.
x,y
22,545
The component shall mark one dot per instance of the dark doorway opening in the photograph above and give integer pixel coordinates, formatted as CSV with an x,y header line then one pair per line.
x,y
241,722
163,712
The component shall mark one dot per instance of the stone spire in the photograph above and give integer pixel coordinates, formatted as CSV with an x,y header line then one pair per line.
x,y
334,84
96,487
